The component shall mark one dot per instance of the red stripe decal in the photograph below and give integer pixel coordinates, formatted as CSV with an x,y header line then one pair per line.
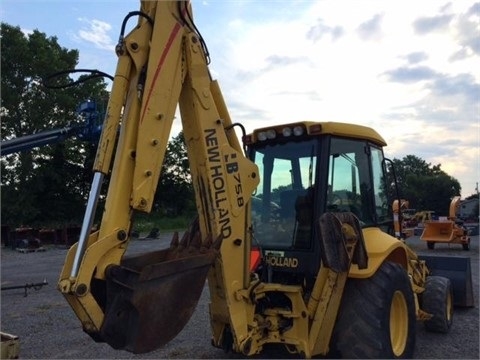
x,y
172,36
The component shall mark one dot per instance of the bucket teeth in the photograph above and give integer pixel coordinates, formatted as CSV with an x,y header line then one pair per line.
x,y
207,244
195,242
218,242
191,242
174,242
185,240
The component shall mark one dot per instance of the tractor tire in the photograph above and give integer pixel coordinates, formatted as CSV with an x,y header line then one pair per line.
x,y
437,300
430,245
377,317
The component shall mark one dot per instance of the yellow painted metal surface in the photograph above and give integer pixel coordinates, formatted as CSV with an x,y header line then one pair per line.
x,y
380,246
438,231
334,128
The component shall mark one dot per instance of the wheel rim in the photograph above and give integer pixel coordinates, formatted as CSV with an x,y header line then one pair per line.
x,y
449,308
398,323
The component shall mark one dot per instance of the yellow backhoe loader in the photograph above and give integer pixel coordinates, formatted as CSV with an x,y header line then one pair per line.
x,y
411,219
446,230
292,233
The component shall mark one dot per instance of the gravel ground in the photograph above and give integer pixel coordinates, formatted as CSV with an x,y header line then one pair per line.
x,y
48,329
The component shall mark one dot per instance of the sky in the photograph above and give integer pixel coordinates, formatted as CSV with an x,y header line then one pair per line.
x,y
409,69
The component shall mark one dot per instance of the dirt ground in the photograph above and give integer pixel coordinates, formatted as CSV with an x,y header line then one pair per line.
x,y
48,329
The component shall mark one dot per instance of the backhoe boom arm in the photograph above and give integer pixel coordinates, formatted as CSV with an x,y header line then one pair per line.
x,y
161,64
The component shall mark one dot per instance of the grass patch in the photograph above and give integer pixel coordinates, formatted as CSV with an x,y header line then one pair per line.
x,y
144,223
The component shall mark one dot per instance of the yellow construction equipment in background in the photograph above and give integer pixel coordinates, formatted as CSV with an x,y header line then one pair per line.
x,y
446,230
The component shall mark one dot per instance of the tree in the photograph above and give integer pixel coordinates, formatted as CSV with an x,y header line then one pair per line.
x,y
174,195
425,186
47,183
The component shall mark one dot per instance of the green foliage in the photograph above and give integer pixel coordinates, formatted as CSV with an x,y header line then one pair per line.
x,y
425,186
144,223
174,196
48,183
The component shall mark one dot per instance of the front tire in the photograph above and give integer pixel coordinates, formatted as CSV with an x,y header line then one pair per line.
x,y
437,299
377,318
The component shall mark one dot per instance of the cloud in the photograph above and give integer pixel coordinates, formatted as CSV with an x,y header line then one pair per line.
x,y
416,57
438,84
474,9
96,32
327,67
272,63
318,31
412,74
247,111
462,27
427,24
278,60
461,84
448,99
459,55
371,29
467,30
26,32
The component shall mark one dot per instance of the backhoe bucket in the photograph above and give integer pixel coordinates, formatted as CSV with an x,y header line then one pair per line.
x,y
438,231
458,270
152,296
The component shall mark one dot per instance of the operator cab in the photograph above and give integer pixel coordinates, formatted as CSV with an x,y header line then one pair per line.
x,y
305,171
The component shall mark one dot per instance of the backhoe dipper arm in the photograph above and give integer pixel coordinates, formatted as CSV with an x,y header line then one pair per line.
x,y
131,303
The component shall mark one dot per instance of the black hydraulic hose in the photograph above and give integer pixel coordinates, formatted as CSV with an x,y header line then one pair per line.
x,y
129,15
191,24
120,48
94,74
244,133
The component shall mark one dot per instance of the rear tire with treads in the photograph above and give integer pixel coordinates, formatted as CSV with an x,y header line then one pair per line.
x,y
376,318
